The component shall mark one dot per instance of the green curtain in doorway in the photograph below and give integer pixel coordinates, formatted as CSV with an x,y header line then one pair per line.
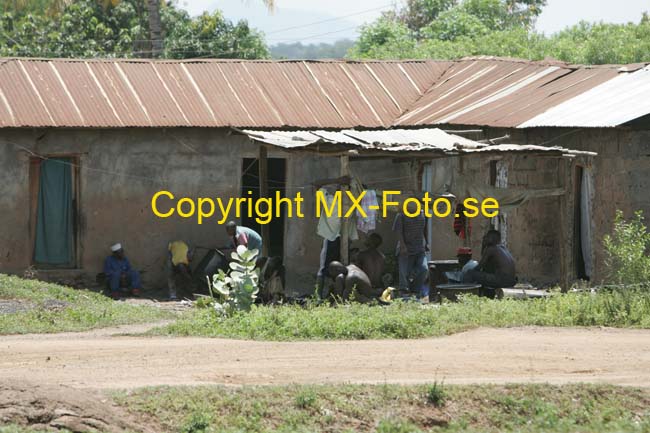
x,y
54,240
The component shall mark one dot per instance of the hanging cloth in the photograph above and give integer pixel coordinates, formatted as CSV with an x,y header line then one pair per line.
x,y
54,238
462,225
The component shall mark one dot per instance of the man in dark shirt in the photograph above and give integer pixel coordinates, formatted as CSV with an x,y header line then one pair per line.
x,y
497,266
411,250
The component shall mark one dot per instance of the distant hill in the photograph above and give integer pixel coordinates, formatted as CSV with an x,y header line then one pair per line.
x,y
297,50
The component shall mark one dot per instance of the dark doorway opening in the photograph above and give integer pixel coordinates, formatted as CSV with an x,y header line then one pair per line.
x,y
578,254
276,180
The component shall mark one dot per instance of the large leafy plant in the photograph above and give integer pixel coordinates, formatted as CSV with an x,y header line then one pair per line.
x,y
240,286
626,251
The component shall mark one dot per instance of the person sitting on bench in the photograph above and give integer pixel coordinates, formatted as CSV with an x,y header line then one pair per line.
x,y
497,266
465,263
122,278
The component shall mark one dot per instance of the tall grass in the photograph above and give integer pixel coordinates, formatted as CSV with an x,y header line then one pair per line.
x,y
75,310
410,320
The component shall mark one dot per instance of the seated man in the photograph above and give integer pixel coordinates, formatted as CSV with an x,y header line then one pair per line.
x,y
240,235
372,261
497,266
466,264
271,279
349,279
122,278
178,265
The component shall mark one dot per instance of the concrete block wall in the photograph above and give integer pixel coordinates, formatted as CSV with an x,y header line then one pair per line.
x,y
122,169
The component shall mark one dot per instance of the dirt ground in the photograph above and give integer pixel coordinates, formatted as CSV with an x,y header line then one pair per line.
x,y
102,360
45,407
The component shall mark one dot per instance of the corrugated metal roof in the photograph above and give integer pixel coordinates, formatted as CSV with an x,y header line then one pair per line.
x,y
317,94
425,140
624,98
209,93
500,93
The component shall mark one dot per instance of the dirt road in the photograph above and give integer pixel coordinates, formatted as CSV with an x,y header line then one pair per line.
x,y
556,355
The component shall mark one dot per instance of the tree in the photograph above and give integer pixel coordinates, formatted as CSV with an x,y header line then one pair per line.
x,y
210,35
86,29
153,7
499,28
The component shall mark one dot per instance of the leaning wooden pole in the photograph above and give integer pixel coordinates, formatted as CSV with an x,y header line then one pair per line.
x,y
345,240
264,192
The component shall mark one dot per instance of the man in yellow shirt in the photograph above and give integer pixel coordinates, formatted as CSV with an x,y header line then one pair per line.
x,y
178,264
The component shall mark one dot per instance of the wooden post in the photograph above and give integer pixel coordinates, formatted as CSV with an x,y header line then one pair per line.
x,y
345,241
264,192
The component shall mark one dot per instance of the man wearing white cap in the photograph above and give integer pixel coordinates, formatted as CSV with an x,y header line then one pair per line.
x,y
122,278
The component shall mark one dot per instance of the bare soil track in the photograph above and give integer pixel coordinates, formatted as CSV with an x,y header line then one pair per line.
x,y
99,360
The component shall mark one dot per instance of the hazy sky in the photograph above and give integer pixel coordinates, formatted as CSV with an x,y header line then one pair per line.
x,y
300,20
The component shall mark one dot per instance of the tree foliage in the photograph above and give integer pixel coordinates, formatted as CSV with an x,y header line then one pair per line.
x,y
88,28
450,29
626,250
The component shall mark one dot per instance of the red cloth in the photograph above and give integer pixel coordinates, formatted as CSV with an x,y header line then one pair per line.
x,y
462,225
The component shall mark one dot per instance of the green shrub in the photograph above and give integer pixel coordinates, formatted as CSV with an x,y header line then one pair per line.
x,y
240,286
306,399
627,261
198,422
436,394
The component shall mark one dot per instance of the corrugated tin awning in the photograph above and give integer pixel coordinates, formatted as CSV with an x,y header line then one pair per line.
x,y
428,142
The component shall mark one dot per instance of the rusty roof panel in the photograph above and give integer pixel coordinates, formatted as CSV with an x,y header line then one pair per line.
x,y
20,99
340,91
519,107
500,93
118,94
297,94
312,94
149,91
470,85
86,95
380,95
54,98
216,95
253,99
286,98
186,96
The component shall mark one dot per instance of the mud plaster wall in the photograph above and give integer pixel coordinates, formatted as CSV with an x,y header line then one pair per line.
x,y
621,174
122,169
531,235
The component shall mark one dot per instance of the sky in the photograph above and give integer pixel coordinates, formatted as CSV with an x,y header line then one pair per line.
x,y
314,21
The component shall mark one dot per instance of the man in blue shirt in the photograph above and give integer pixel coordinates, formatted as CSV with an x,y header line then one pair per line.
x,y
240,235
122,278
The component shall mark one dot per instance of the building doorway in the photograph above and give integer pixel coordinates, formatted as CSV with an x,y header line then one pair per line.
x,y
582,223
54,192
276,180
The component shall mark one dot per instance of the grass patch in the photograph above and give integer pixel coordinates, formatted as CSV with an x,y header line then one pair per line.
x,y
56,308
393,408
411,320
